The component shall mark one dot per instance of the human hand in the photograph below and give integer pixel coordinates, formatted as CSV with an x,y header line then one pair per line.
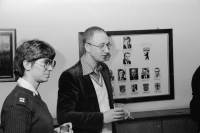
x,y
65,128
113,115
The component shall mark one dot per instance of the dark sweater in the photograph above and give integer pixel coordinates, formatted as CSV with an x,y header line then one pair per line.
x,y
24,113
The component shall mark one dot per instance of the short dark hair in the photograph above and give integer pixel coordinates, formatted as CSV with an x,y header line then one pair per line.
x,y
90,32
31,50
121,70
127,38
126,54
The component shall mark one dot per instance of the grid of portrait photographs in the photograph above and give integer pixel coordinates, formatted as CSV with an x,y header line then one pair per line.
x,y
136,69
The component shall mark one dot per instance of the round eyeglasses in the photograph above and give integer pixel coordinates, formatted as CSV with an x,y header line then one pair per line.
x,y
103,46
46,63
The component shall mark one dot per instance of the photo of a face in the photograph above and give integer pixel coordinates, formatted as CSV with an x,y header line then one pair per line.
x,y
121,75
157,73
127,43
145,73
133,73
126,59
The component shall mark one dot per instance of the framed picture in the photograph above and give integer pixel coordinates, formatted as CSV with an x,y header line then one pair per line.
x,y
7,53
144,60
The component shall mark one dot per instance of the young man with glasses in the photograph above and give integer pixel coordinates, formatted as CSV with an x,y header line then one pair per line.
x,y
85,92
23,110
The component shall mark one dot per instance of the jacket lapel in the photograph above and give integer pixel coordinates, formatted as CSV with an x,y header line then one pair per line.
x,y
89,85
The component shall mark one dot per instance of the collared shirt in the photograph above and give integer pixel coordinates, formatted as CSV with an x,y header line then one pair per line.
x,y
25,84
95,74
101,90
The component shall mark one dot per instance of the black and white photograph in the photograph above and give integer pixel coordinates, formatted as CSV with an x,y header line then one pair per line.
x,y
127,43
145,75
141,54
133,73
121,74
126,60
157,72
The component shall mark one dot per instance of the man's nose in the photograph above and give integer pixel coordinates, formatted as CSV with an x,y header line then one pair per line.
x,y
50,68
106,49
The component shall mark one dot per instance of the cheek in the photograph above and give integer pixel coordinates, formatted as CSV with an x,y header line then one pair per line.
x,y
38,71
96,54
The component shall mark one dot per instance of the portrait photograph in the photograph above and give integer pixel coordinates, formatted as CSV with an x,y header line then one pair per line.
x,y
157,72
126,60
145,73
127,43
133,73
121,74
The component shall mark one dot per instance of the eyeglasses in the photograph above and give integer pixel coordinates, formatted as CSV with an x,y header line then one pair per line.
x,y
46,63
103,46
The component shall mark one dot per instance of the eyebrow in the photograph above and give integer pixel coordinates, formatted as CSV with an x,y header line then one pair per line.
x,y
103,43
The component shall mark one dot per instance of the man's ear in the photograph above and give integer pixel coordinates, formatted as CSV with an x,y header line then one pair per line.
x,y
27,65
87,47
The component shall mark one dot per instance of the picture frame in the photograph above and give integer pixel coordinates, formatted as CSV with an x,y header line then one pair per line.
x,y
7,54
151,59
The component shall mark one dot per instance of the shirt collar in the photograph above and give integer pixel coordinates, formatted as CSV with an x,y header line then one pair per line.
x,y
25,84
87,69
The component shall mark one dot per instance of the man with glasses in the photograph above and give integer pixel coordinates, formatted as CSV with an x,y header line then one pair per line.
x,y
85,92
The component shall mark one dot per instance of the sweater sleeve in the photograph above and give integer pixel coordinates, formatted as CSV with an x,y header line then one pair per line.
x,y
16,119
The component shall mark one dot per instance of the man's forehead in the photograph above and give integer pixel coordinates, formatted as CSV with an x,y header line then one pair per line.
x,y
99,37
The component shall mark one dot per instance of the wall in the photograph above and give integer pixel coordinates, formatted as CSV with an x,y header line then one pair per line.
x,y
59,21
